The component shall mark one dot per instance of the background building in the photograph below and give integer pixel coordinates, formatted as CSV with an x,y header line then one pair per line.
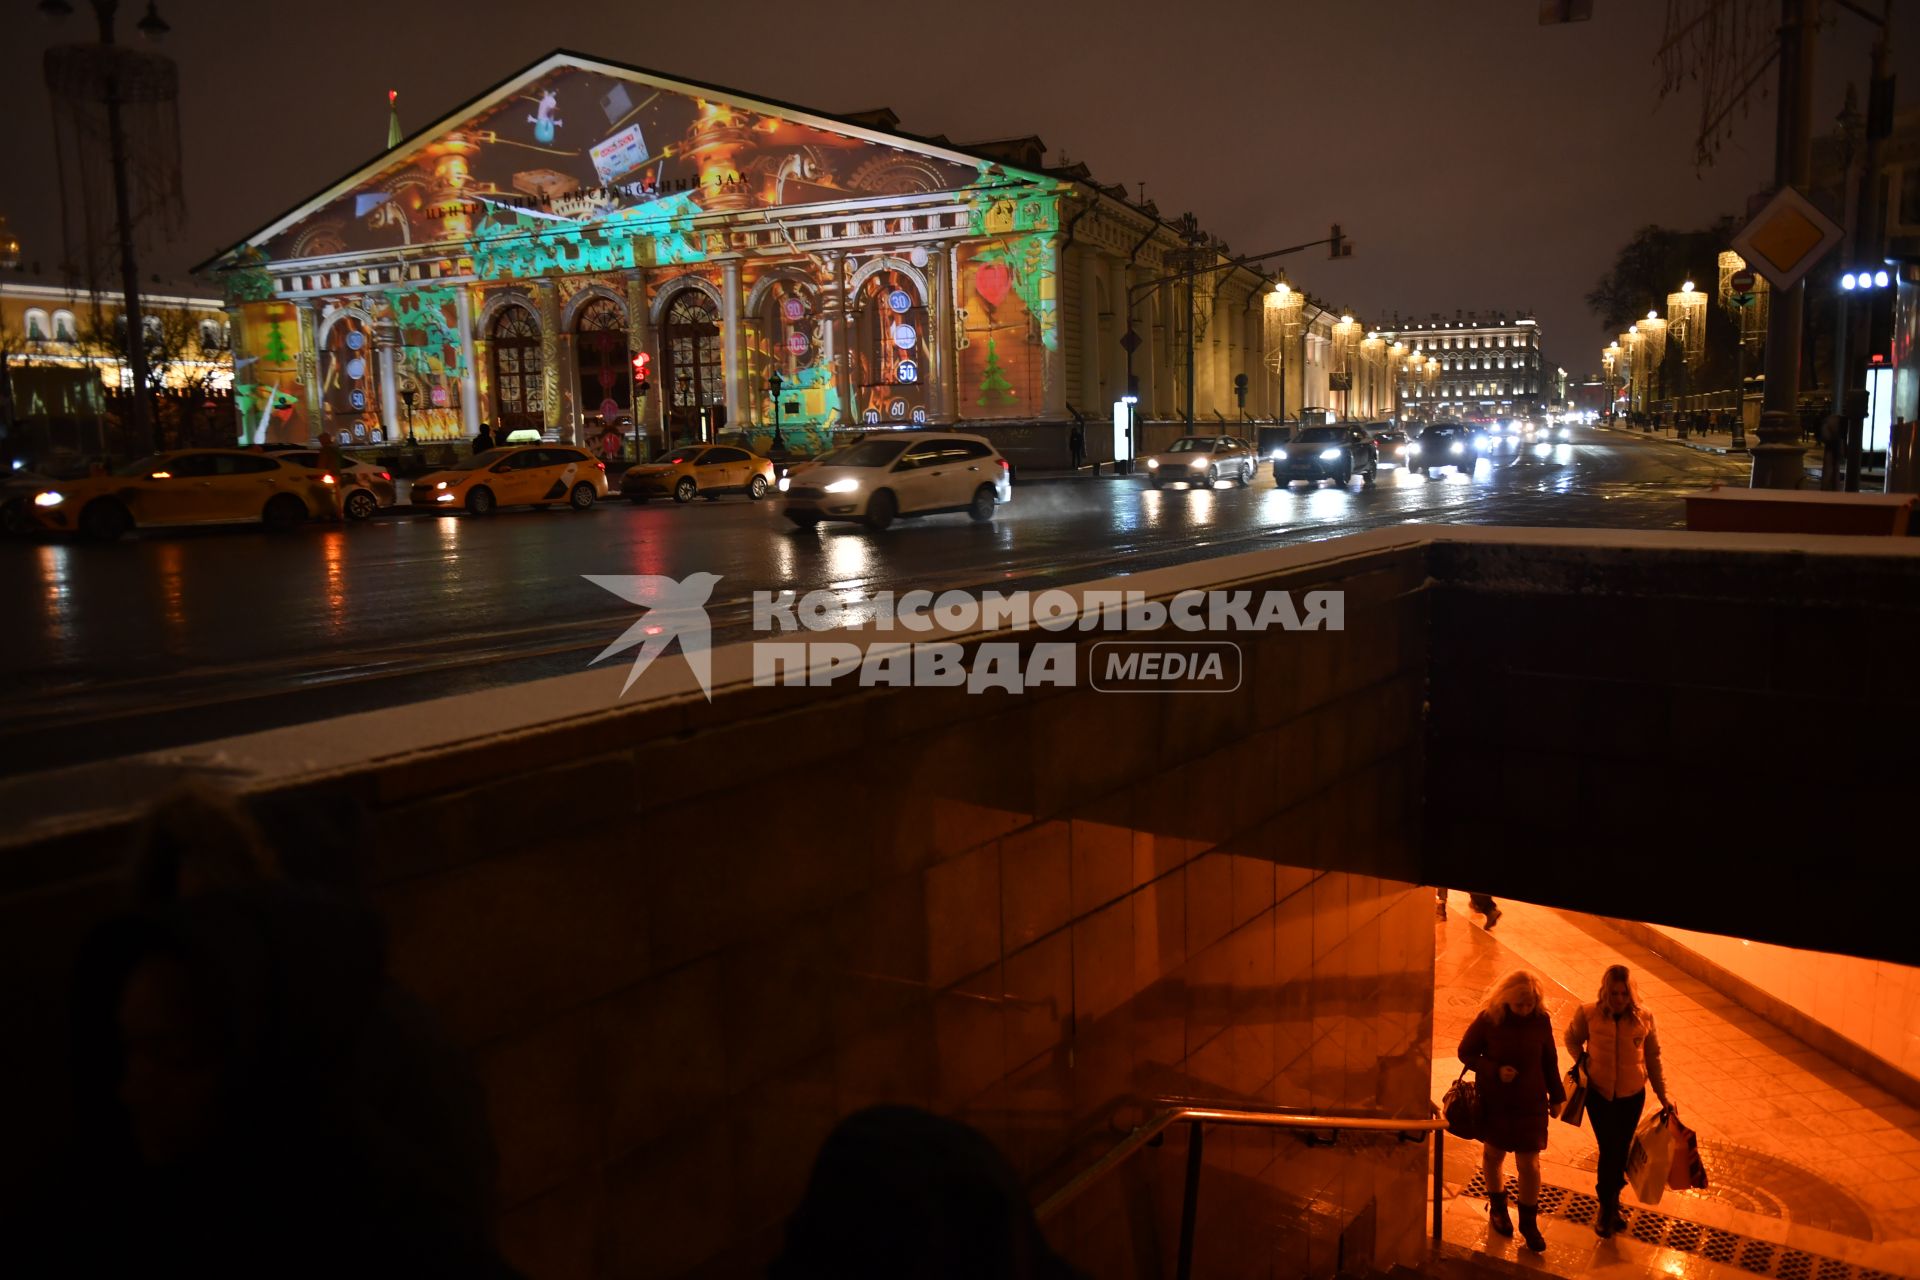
x,y
509,262
1488,365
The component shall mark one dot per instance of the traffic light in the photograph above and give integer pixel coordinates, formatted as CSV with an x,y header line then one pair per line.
x,y
1337,244
1240,389
642,367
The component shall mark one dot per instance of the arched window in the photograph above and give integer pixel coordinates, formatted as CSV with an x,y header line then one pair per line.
x,y
600,352
38,330
65,329
889,350
210,335
695,376
788,331
518,404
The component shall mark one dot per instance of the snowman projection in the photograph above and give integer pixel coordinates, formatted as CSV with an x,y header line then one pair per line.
x,y
545,123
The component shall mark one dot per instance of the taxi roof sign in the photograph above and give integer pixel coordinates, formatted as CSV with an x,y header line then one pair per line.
x,y
1787,238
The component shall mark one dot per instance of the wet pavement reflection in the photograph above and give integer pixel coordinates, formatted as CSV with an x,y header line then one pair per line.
x,y
111,642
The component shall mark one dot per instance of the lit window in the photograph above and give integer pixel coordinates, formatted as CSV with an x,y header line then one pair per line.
x,y
37,330
64,328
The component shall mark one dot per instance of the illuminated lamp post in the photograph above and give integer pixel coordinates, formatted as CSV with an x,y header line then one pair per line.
x,y
1653,344
116,77
1687,313
406,397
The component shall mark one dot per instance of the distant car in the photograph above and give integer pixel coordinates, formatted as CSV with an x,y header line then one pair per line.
x,y
1445,444
699,470
906,473
1328,453
363,487
1202,461
1390,444
187,487
520,475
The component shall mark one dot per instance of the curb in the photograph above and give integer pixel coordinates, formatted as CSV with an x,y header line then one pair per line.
x,y
1065,477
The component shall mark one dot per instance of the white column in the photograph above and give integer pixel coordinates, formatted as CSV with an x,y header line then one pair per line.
x,y
733,350
391,417
1088,392
943,393
469,373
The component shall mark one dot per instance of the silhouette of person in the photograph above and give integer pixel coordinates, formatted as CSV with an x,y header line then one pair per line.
x,y
253,1094
897,1191
484,440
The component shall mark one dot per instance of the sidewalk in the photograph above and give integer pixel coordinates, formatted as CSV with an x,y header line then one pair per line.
x,y
1801,1154
1722,442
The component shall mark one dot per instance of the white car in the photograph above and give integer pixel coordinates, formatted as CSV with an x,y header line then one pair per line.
x,y
909,473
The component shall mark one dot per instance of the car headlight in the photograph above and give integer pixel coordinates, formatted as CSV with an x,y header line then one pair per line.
x,y
1565,434
1400,450
1197,463
1153,464
48,499
440,485
783,483
1457,447
1413,446
842,486
445,497
1329,455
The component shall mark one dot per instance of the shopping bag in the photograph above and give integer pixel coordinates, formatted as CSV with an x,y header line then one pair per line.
x,y
1650,1158
1684,1170
1576,1104
1461,1107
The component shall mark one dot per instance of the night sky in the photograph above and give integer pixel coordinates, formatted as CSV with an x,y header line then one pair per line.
x,y
1475,158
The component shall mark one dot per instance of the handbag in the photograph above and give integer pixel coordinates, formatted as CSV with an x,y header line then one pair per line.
x,y
1651,1158
1684,1170
1576,1105
1461,1107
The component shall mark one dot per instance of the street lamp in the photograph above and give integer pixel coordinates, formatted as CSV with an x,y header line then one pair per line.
x,y
774,383
107,74
406,395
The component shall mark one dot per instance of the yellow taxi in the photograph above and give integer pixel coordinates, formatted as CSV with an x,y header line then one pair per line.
x,y
543,475
705,470
189,487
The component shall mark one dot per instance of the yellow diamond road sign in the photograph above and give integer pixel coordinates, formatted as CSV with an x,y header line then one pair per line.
x,y
1787,238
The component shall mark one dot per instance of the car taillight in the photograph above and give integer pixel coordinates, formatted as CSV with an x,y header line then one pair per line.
x,y
1004,464
386,475
326,479
599,464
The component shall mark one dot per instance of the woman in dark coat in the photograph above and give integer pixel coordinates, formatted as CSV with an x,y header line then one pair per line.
x,y
1510,1050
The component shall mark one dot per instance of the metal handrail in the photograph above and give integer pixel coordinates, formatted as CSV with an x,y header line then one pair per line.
x,y
1198,1115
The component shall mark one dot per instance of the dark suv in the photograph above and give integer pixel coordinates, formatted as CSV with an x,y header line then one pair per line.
x,y
1444,444
1327,453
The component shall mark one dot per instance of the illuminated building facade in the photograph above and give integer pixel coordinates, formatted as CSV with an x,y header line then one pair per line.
x,y
63,346
508,263
1488,365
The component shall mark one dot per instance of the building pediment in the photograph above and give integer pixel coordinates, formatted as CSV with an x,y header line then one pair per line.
x,y
575,143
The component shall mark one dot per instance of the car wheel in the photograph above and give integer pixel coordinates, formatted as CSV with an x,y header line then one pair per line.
x,y
981,508
480,502
757,488
1246,477
283,512
804,519
1153,482
582,496
684,491
1213,477
105,519
1426,472
1373,471
360,505
881,509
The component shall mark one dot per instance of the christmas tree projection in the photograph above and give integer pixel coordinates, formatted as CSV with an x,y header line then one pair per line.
x,y
996,379
276,352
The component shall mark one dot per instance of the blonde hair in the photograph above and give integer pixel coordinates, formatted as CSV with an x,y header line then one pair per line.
x,y
1507,988
1618,973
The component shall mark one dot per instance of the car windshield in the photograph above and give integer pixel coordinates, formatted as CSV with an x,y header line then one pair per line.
x,y
1322,435
1440,433
140,467
1191,444
870,453
479,460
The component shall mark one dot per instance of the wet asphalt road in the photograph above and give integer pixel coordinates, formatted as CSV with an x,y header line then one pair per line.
x,y
179,637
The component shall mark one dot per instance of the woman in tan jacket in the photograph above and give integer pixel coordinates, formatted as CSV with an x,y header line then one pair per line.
x,y
1622,1050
